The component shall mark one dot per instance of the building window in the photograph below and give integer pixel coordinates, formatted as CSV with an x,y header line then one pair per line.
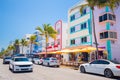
x,y
104,35
100,19
101,35
72,42
72,30
84,40
108,34
113,35
107,16
83,12
72,18
83,26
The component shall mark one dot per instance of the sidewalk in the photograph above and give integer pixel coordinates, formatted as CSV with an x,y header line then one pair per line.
x,y
70,67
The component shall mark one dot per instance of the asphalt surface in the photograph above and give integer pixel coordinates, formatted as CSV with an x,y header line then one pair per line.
x,y
48,73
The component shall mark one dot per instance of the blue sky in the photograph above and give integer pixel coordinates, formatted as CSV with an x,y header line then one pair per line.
x,y
19,17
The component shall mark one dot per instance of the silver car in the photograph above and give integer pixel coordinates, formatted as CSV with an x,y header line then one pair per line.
x,y
103,67
20,64
6,59
51,61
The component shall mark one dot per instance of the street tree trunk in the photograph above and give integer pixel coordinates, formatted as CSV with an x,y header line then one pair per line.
x,y
46,46
22,49
31,49
94,33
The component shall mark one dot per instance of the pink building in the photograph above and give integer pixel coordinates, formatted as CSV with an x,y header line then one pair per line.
x,y
60,42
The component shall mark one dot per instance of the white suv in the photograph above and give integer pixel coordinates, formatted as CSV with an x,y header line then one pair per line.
x,y
20,64
51,62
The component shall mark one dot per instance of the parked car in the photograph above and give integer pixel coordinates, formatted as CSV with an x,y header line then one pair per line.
x,y
103,67
18,55
20,64
6,59
37,61
50,61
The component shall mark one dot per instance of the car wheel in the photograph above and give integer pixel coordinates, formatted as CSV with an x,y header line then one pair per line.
x,y
13,70
48,64
9,68
42,63
82,69
38,63
108,73
58,66
31,71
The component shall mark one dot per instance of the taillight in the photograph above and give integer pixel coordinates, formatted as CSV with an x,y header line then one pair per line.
x,y
118,67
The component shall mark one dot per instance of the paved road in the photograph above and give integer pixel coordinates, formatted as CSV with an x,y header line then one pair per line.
x,y
47,73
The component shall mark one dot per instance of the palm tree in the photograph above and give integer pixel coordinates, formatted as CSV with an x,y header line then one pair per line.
x,y
112,4
101,4
47,32
6,52
16,45
10,48
23,43
32,41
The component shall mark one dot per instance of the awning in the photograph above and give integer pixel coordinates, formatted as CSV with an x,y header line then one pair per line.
x,y
89,49
77,47
75,50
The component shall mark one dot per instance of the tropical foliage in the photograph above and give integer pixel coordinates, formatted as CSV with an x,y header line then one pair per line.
x,y
23,44
16,45
32,41
47,31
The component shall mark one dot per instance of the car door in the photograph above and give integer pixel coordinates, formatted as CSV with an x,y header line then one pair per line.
x,y
44,60
102,64
91,67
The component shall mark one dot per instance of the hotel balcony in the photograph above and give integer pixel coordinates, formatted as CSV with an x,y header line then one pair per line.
x,y
108,35
107,17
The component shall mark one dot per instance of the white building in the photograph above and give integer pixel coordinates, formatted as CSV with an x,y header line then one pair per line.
x,y
107,29
26,49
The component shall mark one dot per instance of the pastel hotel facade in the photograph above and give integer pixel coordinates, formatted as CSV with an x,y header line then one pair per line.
x,y
61,39
80,32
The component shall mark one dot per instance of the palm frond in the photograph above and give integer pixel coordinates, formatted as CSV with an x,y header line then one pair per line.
x,y
39,29
82,7
54,36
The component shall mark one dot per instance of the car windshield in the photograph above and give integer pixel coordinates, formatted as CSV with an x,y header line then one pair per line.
x,y
36,58
54,59
115,62
21,59
8,58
